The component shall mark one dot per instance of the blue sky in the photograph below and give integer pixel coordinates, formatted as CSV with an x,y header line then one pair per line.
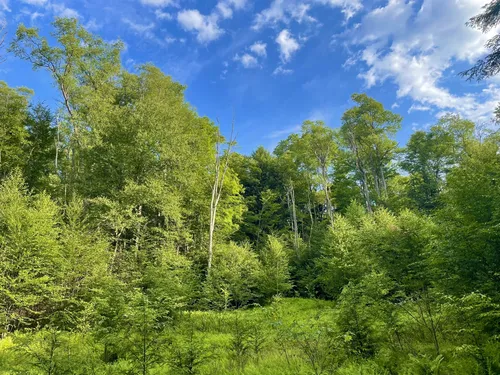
x,y
275,63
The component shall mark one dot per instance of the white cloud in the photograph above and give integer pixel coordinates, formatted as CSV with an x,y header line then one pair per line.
x,y
35,2
287,45
4,5
206,27
284,132
159,3
419,107
138,27
32,15
351,61
248,61
415,46
259,49
348,7
395,105
283,11
163,15
300,13
92,25
225,8
282,71
61,10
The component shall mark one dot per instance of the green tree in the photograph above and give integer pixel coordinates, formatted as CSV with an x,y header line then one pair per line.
x,y
367,131
275,277
13,134
30,256
485,21
40,148
234,279
83,68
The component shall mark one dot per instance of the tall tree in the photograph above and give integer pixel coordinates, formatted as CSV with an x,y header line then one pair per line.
x,y
321,149
367,130
429,156
222,159
485,21
83,68
13,134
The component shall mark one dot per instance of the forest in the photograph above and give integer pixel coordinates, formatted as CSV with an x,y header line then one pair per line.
x,y
134,239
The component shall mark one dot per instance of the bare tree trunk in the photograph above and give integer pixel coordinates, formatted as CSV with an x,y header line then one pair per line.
x,y
329,206
220,174
364,177
309,208
291,205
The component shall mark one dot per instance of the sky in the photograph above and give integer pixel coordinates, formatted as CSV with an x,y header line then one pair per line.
x,y
272,64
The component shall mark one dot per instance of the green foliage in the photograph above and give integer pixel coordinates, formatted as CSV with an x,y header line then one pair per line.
x,y
13,134
275,278
30,256
234,278
40,148
106,222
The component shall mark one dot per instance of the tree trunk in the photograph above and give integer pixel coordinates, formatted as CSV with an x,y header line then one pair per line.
x,y
220,174
291,205
329,207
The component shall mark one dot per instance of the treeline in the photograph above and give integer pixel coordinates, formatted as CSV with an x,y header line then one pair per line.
x,y
123,212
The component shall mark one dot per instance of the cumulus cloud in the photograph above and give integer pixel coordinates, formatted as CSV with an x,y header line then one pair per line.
x,y
248,61
414,47
259,49
288,45
206,27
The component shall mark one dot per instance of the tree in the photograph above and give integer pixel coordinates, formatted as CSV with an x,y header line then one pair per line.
x,y
366,131
311,155
263,185
275,268
319,144
468,243
30,256
83,68
234,278
40,148
221,169
490,65
13,134
429,156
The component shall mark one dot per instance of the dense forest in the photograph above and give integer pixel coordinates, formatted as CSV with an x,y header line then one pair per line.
x,y
134,239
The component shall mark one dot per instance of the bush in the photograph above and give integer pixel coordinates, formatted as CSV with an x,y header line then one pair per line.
x,y
233,279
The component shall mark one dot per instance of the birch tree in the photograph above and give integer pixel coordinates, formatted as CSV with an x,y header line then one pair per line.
x,y
222,159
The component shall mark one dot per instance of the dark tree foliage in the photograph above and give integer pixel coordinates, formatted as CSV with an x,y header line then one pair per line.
x,y
490,65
